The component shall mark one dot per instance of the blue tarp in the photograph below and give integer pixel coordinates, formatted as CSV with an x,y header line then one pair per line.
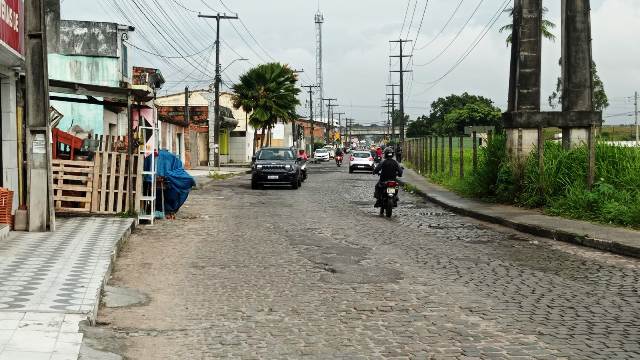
x,y
177,181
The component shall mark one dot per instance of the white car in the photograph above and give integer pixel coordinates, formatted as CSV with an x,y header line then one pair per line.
x,y
331,150
361,161
321,154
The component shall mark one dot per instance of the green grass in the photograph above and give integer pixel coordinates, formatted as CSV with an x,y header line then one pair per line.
x,y
561,189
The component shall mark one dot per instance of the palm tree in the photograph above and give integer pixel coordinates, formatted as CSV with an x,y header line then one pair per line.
x,y
547,26
269,93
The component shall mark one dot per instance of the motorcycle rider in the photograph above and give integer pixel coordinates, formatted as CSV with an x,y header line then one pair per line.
x,y
389,170
339,153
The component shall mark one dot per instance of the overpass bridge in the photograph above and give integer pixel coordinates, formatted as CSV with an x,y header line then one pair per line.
x,y
369,131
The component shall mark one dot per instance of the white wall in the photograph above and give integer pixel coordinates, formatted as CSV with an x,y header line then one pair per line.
x,y
9,133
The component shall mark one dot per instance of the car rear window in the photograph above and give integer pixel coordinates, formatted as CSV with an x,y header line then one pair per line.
x,y
361,155
321,151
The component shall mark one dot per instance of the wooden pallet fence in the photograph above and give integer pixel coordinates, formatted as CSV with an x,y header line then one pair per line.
x,y
72,185
111,186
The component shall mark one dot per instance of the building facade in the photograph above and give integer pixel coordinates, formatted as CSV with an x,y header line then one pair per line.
x,y
88,52
11,99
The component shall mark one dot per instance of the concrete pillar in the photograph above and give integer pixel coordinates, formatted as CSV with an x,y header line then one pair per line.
x,y
576,66
525,80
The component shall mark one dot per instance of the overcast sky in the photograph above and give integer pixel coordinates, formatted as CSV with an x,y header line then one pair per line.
x,y
356,47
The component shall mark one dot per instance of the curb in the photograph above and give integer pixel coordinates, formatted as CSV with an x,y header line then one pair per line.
x,y
554,234
114,255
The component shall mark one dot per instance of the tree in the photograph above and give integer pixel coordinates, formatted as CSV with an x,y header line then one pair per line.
x,y
269,92
467,110
546,26
472,114
599,98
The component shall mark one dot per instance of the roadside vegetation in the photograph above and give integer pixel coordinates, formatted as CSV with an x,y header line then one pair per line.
x,y
562,189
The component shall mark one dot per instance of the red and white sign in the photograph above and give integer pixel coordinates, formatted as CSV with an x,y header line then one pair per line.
x,y
12,24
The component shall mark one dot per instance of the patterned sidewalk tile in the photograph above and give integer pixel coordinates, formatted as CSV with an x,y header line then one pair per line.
x,y
50,282
59,271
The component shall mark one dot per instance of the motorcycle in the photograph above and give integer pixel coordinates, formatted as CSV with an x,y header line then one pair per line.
x,y
338,160
389,193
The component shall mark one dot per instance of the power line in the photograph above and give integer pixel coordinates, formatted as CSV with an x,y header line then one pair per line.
x,y
166,56
455,11
413,16
480,37
404,21
475,11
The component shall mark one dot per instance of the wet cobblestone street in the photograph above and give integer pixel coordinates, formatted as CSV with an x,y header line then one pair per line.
x,y
316,273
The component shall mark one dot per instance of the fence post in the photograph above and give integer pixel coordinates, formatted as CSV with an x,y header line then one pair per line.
x,y
475,151
442,151
423,160
435,153
541,156
591,170
461,146
430,154
450,156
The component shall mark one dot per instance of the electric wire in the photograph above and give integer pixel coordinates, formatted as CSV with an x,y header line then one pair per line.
x,y
464,26
455,11
494,19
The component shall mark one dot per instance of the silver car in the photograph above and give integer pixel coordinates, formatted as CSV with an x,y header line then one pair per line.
x,y
361,161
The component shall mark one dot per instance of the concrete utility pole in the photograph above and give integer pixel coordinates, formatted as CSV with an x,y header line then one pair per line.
x,y
214,148
327,125
311,87
340,125
349,122
186,119
40,189
401,72
332,126
393,108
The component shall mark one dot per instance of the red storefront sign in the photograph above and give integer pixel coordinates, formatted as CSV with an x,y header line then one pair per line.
x,y
12,24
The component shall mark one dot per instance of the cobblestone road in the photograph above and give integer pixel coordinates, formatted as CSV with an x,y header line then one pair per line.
x,y
315,273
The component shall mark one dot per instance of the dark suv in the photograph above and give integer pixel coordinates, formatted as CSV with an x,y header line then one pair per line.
x,y
276,166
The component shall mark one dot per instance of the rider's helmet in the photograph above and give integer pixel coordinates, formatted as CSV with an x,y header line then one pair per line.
x,y
388,153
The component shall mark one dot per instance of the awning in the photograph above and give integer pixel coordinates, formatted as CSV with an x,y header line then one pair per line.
x,y
112,95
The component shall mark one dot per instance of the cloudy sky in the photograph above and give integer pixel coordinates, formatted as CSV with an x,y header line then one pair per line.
x,y
356,46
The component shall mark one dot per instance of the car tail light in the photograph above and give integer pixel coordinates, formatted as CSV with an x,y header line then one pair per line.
x,y
392,184
370,158
351,158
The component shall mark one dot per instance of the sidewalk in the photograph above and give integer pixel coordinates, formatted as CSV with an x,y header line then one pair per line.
x,y
50,282
616,240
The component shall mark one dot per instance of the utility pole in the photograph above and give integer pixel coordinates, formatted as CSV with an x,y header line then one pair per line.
x,y
393,107
40,190
340,126
310,87
636,113
328,109
332,126
215,149
186,121
402,71
349,123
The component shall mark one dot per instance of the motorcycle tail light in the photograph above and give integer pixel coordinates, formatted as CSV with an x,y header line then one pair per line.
x,y
392,184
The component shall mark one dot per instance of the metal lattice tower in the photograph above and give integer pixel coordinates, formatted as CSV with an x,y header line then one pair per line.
x,y
319,19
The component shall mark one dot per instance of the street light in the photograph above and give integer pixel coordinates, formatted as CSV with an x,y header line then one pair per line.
x,y
231,63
